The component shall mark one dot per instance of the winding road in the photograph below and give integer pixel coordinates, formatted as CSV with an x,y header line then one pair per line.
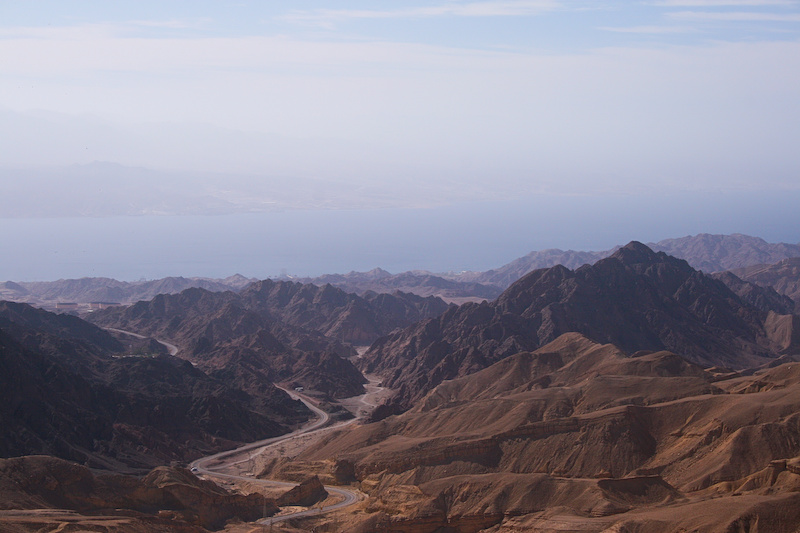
x,y
212,464
173,350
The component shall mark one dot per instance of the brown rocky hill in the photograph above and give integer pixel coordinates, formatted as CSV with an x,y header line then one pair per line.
x,y
580,436
65,395
783,276
636,299
45,493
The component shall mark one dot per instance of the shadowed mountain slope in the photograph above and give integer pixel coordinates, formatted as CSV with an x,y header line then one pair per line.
x,y
636,299
38,326
69,389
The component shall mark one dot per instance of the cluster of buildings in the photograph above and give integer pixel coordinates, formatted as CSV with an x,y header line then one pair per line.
x,y
90,306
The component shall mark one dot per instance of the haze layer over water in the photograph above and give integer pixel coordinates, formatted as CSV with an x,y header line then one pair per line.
x,y
467,236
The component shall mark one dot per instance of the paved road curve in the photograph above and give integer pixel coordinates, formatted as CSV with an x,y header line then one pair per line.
x,y
171,347
210,465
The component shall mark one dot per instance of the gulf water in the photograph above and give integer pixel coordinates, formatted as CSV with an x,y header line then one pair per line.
x,y
465,236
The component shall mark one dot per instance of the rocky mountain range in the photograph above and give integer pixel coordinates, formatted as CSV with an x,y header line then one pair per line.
x,y
74,390
337,314
417,282
274,331
636,299
86,290
706,252
628,391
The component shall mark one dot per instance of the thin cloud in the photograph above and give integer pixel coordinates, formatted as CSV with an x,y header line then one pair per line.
x,y
653,30
327,17
736,16
175,24
84,32
724,3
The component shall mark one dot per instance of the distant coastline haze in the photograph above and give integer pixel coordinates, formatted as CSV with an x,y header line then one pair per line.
x,y
464,236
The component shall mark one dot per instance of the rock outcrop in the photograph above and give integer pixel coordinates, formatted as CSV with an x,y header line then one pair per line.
x,y
305,494
166,495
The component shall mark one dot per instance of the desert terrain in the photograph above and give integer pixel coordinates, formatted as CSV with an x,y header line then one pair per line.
x,y
633,394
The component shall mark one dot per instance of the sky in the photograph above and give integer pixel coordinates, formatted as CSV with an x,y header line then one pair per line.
x,y
605,109
541,96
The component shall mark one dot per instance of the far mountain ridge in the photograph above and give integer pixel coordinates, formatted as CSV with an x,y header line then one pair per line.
x,y
87,290
706,252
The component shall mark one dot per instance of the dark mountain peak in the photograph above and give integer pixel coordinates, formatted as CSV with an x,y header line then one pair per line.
x,y
635,253
522,293
19,318
264,285
194,296
554,274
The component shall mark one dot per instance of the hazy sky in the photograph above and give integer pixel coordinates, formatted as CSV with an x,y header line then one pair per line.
x,y
545,95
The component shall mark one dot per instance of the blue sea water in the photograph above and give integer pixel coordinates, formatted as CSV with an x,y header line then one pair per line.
x,y
466,236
